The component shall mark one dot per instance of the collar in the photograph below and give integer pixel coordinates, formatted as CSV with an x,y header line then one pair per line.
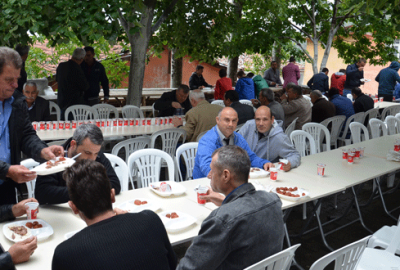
x,y
31,107
9,100
202,103
238,192
222,136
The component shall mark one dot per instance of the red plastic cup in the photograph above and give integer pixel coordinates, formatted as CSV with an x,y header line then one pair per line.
x,y
397,147
321,169
282,163
61,125
49,126
73,124
137,122
126,122
148,121
381,99
350,158
200,192
120,122
394,98
67,125
32,210
357,153
55,125
273,173
42,125
143,122
115,123
344,154
98,123
131,122
80,123
35,125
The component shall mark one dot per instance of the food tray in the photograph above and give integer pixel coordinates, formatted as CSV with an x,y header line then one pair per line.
x,y
176,189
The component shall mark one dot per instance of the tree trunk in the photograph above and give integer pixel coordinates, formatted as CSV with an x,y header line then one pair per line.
x,y
315,60
332,33
176,70
233,68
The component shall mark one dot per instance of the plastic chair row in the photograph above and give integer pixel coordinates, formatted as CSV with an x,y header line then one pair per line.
x,y
100,111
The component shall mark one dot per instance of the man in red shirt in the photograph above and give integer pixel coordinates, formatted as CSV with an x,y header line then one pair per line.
x,y
338,79
224,84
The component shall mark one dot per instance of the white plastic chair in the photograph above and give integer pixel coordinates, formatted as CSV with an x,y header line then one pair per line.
x,y
349,96
336,123
278,261
104,111
372,113
130,111
121,170
131,145
246,101
382,237
291,127
154,110
377,128
358,117
148,162
299,139
309,99
318,132
80,112
392,125
188,152
201,135
397,116
30,186
219,102
356,136
53,106
391,110
345,257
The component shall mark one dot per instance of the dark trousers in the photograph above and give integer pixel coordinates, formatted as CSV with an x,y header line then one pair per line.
x,y
386,97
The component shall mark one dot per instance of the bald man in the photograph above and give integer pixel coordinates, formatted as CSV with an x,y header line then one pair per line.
x,y
267,139
220,135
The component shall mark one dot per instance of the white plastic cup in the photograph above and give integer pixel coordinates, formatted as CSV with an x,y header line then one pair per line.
x,y
321,169
200,192
283,162
273,173
33,208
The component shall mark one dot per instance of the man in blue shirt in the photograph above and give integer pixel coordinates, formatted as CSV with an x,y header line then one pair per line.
x,y
320,81
354,74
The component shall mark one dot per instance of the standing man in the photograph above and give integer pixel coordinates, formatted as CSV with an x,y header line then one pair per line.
x,y
224,84
387,79
272,76
320,81
23,51
354,73
291,72
267,98
16,131
172,102
71,80
95,75
197,80
338,80
296,106
244,86
245,112
38,107
322,108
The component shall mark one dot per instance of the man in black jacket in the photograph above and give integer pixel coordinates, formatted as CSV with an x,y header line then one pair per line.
x,y
16,131
320,81
197,80
87,141
322,108
362,103
354,74
245,112
38,107
172,102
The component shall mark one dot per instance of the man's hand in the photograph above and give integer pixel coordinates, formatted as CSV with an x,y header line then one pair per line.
x,y
20,208
119,211
284,96
21,251
255,102
214,197
20,174
268,165
177,122
51,152
273,83
360,68
176,105
287,167
201,87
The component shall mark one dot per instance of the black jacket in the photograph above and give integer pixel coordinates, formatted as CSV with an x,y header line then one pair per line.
x,y
363,103
321,110
23,77
40,111
353,76
319,81
163,104
52,189
95,75
195,81
245,112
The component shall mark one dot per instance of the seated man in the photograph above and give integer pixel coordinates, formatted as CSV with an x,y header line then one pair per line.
x,y
20,251
197,81
112,240
245,112
199,119
320,81
87,141
248,225
267,98
170,103
322,108
362,102
267,139
295,106
220,135
343,105
244,86
38,107
271,75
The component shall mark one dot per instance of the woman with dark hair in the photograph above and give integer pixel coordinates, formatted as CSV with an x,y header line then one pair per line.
x,y
224,84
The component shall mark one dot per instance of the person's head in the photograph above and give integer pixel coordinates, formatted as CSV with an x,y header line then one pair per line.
x,y
222,73
315,95
30,92
10,69
264,119
230,167
195,96
78,55
230,97
356,92
250,75
199,69
89,57
23,51
333,91
227,120
241,74
325,70
266,96
292,59
274,65
182,93
294,91
361,62
342,70
87,140
89,189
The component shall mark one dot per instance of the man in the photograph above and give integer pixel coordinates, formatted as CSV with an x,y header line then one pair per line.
x,y
200,118
71,81
338,79
111,240
38,107
95,74
343,105
267,98
172,102
320,81
87,141
296,106
197,81
272,76
259,83
387,79
354,73
245,112
20,251
244,86
220,135
291,72
23,51
267,139
223,84
16,131
362,103
322,109
246,228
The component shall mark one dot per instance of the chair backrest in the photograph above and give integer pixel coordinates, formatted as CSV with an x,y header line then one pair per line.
x,y
349,96
130,111
131,145
239,127
188,152
336,123
218,102
154,110
104,111
392,125
299,140
355,129
80,112
121,170
148,163
278,261
246,101
291,127
397,115
378,128
318,132
358,117
345,257
391,110
201,135
55,110
372,113
30,186
395,242
170,138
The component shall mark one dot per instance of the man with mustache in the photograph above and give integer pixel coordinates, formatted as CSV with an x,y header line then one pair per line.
x,y
38,108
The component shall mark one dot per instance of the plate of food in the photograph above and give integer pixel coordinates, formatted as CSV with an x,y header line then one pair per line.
x,y
20,230
258,173
138,205
291,193
175,221
167,188
59,164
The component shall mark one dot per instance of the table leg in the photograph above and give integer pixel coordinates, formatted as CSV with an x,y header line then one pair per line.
x,y
286,214
358,208
383,200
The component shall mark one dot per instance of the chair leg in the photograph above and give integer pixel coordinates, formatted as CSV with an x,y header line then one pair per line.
x,y
390,181
304,211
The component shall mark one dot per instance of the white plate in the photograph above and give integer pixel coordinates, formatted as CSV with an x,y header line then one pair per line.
x,y
131,207
365,80
70,234
177,224
176,189
299,191
41,169
42,233
258,174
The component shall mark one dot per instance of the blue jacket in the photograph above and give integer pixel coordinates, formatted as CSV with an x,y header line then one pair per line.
x,y
343,105
397,91
245,88
387,78
353,76
319,81
209,143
